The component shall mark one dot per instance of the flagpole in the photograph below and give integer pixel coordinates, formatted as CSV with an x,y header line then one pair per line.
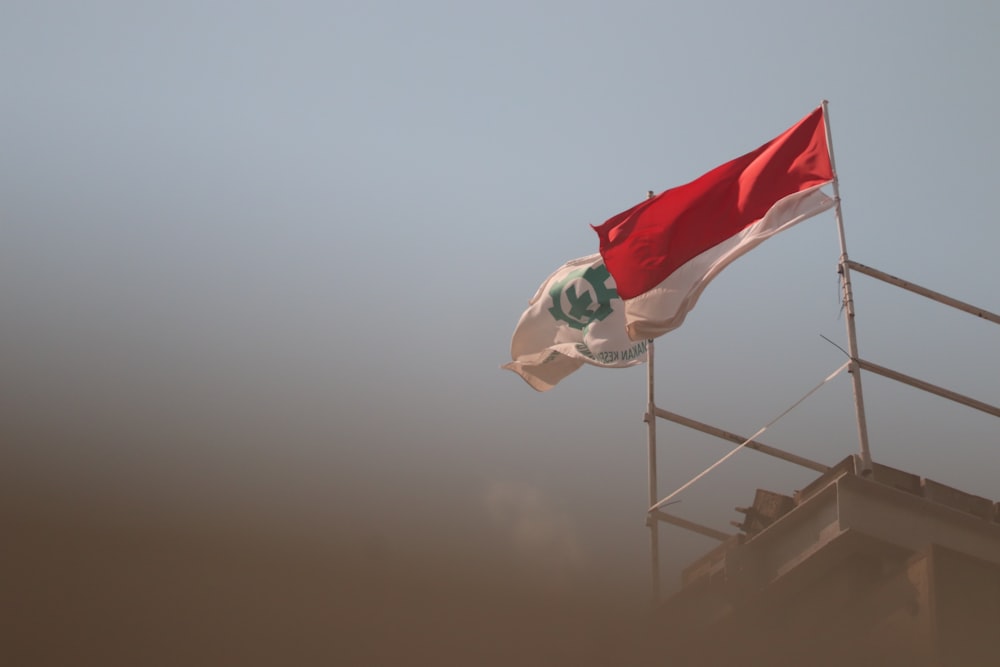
x,y
650,419
852,338
651,521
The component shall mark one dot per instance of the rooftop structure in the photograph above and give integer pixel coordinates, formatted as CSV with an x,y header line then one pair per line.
x,y
886,569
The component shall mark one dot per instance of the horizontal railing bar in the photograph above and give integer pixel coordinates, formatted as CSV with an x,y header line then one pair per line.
x,y
691,525
928,387
923,291
739,440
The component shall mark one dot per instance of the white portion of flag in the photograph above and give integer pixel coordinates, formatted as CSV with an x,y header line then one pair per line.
x,y
664,307
576,317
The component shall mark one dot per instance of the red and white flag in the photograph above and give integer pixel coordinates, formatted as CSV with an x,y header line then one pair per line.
x,y
664,251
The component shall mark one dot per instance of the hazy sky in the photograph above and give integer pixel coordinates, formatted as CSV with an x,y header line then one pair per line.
x,y
262,261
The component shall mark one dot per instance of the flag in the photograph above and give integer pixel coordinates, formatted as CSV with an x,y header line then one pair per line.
x,y
664,251
575,318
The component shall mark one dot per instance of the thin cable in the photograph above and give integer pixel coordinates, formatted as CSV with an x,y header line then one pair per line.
x,y
846,353
748,440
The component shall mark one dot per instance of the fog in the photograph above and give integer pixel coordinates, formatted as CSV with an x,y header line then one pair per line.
x,y
260,265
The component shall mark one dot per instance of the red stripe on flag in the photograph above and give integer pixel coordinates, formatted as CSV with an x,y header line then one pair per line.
x,y
645,244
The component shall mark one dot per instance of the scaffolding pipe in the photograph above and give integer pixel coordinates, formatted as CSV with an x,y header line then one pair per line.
x,y
690,525
852,336
929,388
923,291
738,439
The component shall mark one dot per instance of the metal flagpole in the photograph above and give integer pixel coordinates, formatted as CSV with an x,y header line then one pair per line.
x,y
848,296
651,520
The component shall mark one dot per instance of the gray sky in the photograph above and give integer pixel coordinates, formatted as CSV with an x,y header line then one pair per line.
x,y
262,261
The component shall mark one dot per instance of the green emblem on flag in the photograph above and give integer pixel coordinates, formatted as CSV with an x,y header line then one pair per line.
x,y
579,309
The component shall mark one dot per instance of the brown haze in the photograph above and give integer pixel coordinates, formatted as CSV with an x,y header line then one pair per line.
x,y
171,515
